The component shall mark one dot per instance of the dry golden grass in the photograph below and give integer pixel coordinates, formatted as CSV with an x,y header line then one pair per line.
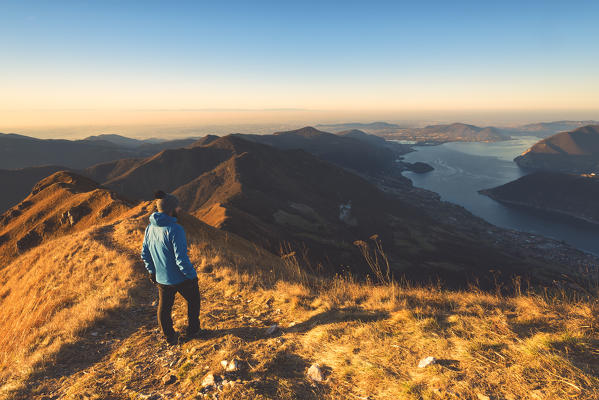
x,y
43,211
53,293
369,338
500,347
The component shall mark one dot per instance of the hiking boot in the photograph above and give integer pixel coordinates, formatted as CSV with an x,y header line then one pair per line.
x,y
195,333
173,340
192,332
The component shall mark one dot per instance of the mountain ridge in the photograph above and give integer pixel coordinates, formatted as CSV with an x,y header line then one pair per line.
x,y
574,151
61,203
19,151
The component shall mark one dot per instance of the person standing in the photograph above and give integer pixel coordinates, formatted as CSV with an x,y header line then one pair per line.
x,y
164,252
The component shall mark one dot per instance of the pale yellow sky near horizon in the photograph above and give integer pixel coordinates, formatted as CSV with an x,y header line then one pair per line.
x,y
184,123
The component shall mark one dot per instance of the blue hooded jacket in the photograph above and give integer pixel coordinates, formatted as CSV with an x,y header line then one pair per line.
x,y
164,250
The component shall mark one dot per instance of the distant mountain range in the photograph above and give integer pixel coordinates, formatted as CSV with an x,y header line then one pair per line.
x,y
440,133
572,195
429,134
376,128
353,149
575,151
18,151
118,140
456,132
544,129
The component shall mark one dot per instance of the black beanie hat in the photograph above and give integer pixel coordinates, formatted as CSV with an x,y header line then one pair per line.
x,y
165,202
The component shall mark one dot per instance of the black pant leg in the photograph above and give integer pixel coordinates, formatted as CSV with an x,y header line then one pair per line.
x,y
166,299
191,293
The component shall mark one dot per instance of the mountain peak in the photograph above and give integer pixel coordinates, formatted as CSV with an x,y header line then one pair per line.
x,y
575,151
353,132
205,140
306,131
66,179
115,139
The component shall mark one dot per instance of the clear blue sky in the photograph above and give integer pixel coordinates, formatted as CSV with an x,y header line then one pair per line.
x,y
315,55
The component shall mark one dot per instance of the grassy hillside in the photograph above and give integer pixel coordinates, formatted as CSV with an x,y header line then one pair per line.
x,y
59,204
78,322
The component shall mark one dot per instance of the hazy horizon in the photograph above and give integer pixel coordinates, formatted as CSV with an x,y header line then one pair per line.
x,y
77,124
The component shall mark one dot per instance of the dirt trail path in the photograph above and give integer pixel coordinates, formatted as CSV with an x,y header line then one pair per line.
x,y
123,356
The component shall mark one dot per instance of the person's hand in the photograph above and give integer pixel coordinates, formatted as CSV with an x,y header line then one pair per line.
x,y
153,278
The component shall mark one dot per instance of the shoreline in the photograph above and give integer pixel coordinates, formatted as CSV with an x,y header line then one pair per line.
x,y
519,243
528,206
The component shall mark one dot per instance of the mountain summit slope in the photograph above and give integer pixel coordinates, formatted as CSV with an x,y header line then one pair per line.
x,y
61,203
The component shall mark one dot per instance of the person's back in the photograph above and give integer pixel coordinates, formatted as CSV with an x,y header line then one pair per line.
x,y
164,252
165,243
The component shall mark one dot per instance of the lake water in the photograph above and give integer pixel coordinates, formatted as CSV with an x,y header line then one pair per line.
x,y
462,169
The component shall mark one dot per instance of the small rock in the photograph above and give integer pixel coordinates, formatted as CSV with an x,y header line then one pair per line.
x,y
208,380
292,324
233,366
154,303
425,362
272,329
315,373
168,379
94,333
537,394
481,396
